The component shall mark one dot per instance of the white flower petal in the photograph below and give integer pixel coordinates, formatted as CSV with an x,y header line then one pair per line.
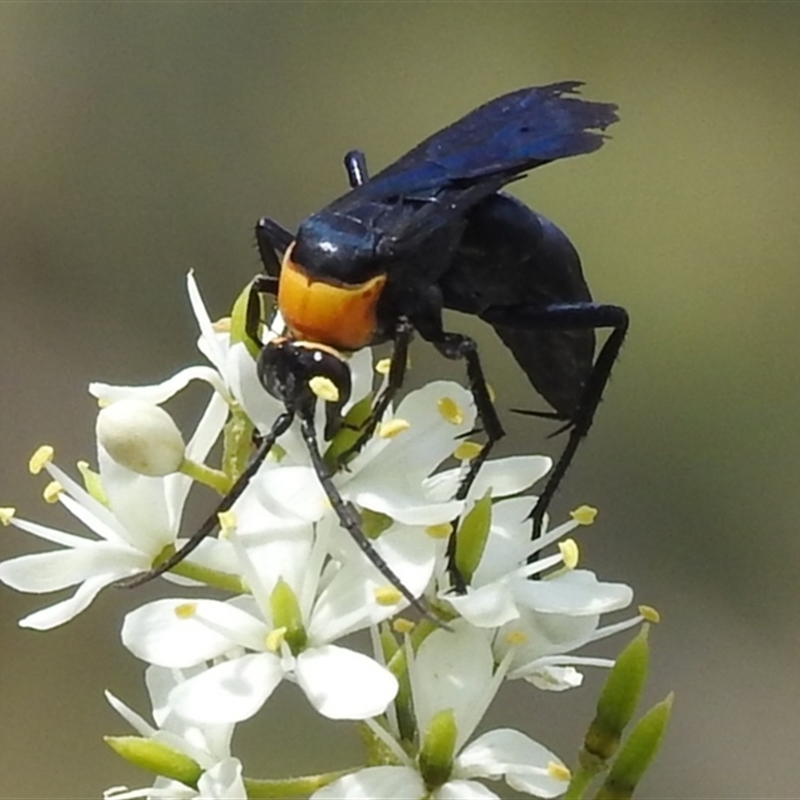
x,y
504,476
485,607
555,679
464,790
386,783
160,392
139,503
452,670
228,692
516,757
59,613
403,505
429,440
223,781
138,723
292,492
577,592
57,569
157,634
343,684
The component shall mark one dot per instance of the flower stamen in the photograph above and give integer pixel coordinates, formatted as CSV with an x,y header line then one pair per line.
x,y
42,457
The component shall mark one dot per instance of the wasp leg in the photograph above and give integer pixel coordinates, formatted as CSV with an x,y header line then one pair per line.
x,y
279,427
454,346
272,239
570,316
349,519
394,382
355,162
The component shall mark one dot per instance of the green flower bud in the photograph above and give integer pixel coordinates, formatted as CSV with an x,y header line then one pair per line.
x,y
438,748
471,537
157,758
618,698
637,753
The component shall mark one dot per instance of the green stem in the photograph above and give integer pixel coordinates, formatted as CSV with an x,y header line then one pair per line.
x,y
588,768
290,787
211,577
214,478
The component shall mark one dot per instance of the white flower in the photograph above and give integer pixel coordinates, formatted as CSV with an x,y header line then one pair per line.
x,y
538,642
389,476
133,516
285,630
500,589
453,681
209,745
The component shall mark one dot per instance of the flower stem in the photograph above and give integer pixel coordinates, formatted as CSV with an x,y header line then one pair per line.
x,y
290,787
214,478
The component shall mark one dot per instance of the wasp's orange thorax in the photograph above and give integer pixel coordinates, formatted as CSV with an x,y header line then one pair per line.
x,y
339,315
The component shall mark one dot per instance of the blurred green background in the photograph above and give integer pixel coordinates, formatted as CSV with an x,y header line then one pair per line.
x,y
138,141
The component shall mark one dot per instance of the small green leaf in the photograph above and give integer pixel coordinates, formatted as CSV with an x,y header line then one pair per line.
x,y
637,753
471,537
156,757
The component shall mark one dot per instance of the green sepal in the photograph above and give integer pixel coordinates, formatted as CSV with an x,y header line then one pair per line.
x,y
239,320
92,483
636,753
156,757
438,748
618,698
374,523
237,443
376,752
471,537
348,433
286,614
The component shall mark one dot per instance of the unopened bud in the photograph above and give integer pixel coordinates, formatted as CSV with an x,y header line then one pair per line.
x,y
140,436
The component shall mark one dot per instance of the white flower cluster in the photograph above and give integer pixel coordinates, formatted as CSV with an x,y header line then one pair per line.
x,y
299,584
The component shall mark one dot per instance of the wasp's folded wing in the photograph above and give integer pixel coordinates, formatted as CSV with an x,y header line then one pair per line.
x,y
506,136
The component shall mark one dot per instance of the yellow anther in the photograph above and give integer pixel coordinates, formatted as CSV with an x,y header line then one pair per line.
x,y
388,430
558,772
52,491
440,531
387,596
466,451
401,625
7,514
584,515
324,388
383,366
275,638
650,613
185,610
227,523
450,410
569,552
490,391
516,637
103,402
222,325
43,456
